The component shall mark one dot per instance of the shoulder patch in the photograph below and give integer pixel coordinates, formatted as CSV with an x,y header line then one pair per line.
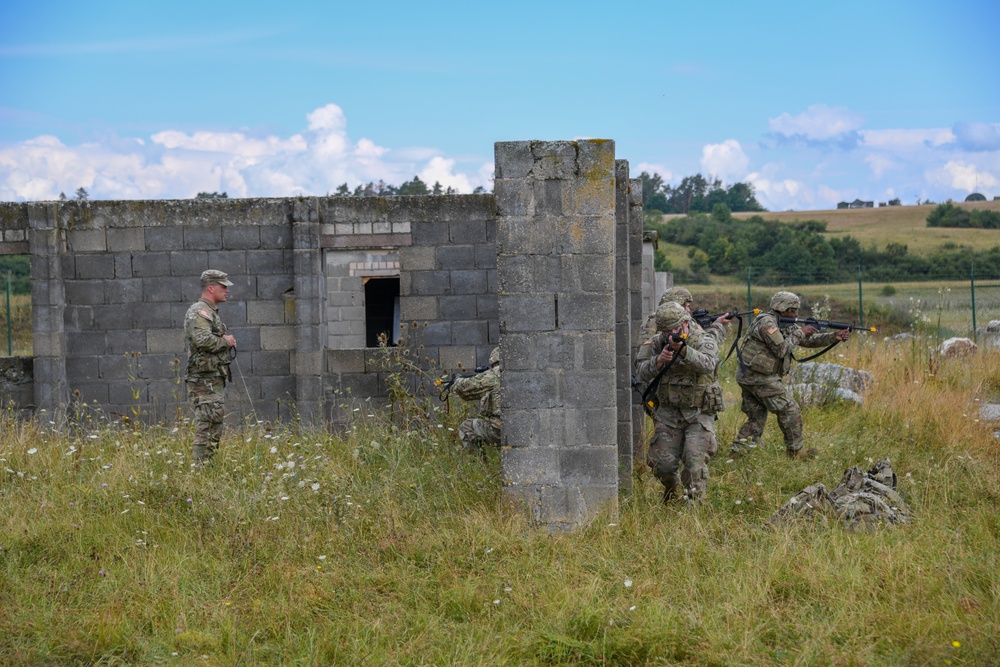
x,y
772,330
648,342
204,313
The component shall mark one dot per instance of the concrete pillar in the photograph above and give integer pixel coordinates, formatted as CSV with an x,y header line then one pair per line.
x,y
623,325
556,275
310,323
47,245
636,217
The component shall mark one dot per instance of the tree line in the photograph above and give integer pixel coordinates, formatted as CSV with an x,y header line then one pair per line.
x,y
949,215
696,194
383,189
800,252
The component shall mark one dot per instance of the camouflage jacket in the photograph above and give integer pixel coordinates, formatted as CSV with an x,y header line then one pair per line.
x,y
766,350
691,381
482,387
208,351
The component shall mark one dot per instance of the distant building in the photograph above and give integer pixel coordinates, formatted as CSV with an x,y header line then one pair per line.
x,y
975,196
857,203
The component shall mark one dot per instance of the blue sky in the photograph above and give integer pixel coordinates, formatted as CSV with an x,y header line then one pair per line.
x,y
811,102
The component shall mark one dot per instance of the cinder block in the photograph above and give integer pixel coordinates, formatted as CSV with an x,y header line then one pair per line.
x,y
233,262
128,239
554,159
454,308
456,257
150,264
82,369
84,292
165,341
468,282
512,159
126,340
92,267
430,233
188,263
594,235
242,237
90,392
123,290
149,315
530,390
514,197
485,256
469,333
270,362
458,358
269,262
162,289
277,338
526,312
276,236
586,311
587,389
345,361
419,308
430,283
123,265
487,307
75,318
86,240
281,387
265,312
527,235
436,333
275,287
247,338
161,239
202,238
530,465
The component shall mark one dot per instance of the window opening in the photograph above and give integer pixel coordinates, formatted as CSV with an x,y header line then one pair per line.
x,y
381,310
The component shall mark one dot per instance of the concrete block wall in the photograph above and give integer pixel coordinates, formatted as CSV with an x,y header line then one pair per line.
x,y
636,214
556,232
623,325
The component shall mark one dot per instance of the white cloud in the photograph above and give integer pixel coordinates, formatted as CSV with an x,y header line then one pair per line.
x,y
726,161
978,136
880,164
818,123
903,140
175,164
963,176
651,168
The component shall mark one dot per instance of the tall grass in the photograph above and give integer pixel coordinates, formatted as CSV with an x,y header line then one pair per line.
x,y
386,544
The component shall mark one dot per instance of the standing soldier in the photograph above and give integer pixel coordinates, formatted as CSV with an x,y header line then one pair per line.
x,y
765,359
682,295
485,429
208,363
689,397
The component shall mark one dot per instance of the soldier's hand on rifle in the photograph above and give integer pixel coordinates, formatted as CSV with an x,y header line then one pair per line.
x,y
809,330
843,334
725,319
666,354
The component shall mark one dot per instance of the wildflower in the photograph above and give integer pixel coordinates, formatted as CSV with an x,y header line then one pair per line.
x,y
315,486
497,601
507,589
956,644
33,450
274,450
322,557
632,608
189,500
101,572
739,502
628,583
104,486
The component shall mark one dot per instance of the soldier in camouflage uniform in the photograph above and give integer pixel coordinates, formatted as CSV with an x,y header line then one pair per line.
x,y
689,397
209,350
474,432
682,295
765,358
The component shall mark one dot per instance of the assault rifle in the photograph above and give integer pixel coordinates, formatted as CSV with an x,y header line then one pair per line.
x,y
702,317
649,400
823,325
444,383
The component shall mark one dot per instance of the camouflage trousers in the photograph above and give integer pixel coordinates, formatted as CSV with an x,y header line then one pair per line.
x,y
206,395
476,432
686,437
760,399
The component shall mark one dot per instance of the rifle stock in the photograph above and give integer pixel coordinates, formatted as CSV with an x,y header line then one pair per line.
x,y
702,317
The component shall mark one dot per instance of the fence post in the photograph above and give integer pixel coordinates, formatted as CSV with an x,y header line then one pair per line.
x,y
972,282
861,302
10,342
749,304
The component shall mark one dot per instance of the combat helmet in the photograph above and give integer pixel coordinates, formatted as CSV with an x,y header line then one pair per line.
x,y
783,301
680,295
494,356
670,316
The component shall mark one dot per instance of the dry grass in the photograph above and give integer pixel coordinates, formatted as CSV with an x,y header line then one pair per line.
x,y
384,544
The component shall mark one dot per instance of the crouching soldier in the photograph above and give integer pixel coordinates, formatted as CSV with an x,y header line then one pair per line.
x,y
485,429
688,396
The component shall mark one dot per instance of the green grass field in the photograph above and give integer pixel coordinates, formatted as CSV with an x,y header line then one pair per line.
x,y
385,544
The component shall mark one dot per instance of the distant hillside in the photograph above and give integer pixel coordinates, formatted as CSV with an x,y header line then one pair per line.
x,y
895,224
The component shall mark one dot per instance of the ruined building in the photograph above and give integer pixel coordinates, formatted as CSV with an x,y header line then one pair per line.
x,y
550,267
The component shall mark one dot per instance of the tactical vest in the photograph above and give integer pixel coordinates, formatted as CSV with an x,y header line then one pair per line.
x,y
204,362
754,352
683,387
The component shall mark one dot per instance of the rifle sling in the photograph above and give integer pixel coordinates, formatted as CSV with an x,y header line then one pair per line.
x,y
655,382
818,354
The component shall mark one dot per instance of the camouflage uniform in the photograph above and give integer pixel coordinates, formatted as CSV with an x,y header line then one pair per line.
x,y
681,296
207,373
476,431
689,397
765,358
866,499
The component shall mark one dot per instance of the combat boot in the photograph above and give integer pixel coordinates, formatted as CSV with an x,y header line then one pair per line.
x,y
804,454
